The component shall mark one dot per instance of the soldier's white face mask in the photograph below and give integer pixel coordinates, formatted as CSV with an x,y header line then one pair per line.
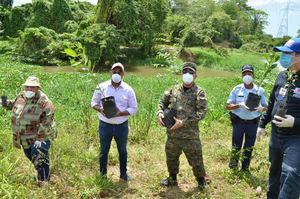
x,y
187,78
29,94
247,79
116,78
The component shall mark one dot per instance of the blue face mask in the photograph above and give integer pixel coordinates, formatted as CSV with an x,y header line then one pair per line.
x,y
285,60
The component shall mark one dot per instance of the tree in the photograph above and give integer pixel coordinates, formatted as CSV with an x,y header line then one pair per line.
x,y
101,43
104,11
41,14
60,14
6,3
18,20
259,20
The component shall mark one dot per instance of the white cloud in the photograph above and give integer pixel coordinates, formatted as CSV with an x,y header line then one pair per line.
x,y
19,2
265,3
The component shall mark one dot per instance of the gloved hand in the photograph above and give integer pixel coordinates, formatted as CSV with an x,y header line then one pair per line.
x,y
160,117
243,105
286,121
261,132
37,144
260,108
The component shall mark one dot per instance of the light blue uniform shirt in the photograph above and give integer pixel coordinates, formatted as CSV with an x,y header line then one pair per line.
x,y
239,94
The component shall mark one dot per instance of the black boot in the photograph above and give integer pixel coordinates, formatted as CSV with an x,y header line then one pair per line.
x,y
234,161
201,183
169,181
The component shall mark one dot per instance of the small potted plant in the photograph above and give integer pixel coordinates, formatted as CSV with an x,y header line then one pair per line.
x,y
109,105
253,99
290,83
168,118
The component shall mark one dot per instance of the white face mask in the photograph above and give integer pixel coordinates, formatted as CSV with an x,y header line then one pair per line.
x,y
187,78
247,79
29,94
116,78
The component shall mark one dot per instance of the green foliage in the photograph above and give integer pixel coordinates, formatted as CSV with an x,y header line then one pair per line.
x,y
175,24
77,56
19,17
41,14
81,10
270,63
71,26
60,13
104,11
8,46
37,45
4,19
101,43
140,21
6,3
163,59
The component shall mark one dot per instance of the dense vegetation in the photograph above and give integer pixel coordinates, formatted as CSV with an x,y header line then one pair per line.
x,y
219,36
63,30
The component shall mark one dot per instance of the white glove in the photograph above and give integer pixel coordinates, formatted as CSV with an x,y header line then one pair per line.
x,y
243,105
37,144
260,108
288,121
261,132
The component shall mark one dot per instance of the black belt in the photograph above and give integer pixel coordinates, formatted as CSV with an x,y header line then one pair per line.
x,y
253,121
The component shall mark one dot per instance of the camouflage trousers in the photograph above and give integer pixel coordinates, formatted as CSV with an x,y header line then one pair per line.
x,y
192,150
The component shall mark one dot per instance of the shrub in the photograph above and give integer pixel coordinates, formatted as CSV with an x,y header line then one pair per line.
x,y
101,43
18,20
60,14
36,45
41,14
71,26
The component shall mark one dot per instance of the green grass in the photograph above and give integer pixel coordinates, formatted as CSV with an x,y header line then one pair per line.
x,y
74,154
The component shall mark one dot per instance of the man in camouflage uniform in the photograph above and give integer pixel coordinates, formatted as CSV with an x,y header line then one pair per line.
x,y
33,125
190,103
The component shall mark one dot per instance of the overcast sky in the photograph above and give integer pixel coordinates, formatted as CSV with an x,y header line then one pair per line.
x,y
275,9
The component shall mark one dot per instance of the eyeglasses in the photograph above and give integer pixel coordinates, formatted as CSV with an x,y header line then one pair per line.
x,y
188,71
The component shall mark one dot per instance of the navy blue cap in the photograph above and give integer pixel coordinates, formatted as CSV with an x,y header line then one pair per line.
x,y
247,67
291,46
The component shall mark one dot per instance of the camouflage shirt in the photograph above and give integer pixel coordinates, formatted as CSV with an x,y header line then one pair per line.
x,y
32,119
191,107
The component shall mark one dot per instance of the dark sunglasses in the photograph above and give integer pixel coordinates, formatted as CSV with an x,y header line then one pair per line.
x,y
188,71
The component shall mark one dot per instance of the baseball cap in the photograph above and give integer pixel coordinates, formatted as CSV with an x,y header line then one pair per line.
x,y
32,81
292,45
118,64
247,67
190,65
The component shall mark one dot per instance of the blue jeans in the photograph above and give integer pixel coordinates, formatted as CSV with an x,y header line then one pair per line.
x,y
239,131
40,159
120,133
284,174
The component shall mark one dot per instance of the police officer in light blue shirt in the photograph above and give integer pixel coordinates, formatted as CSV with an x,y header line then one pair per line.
x,y
244,121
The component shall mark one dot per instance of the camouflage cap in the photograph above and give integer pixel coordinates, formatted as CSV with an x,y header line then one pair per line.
x,y
32,81
190,65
